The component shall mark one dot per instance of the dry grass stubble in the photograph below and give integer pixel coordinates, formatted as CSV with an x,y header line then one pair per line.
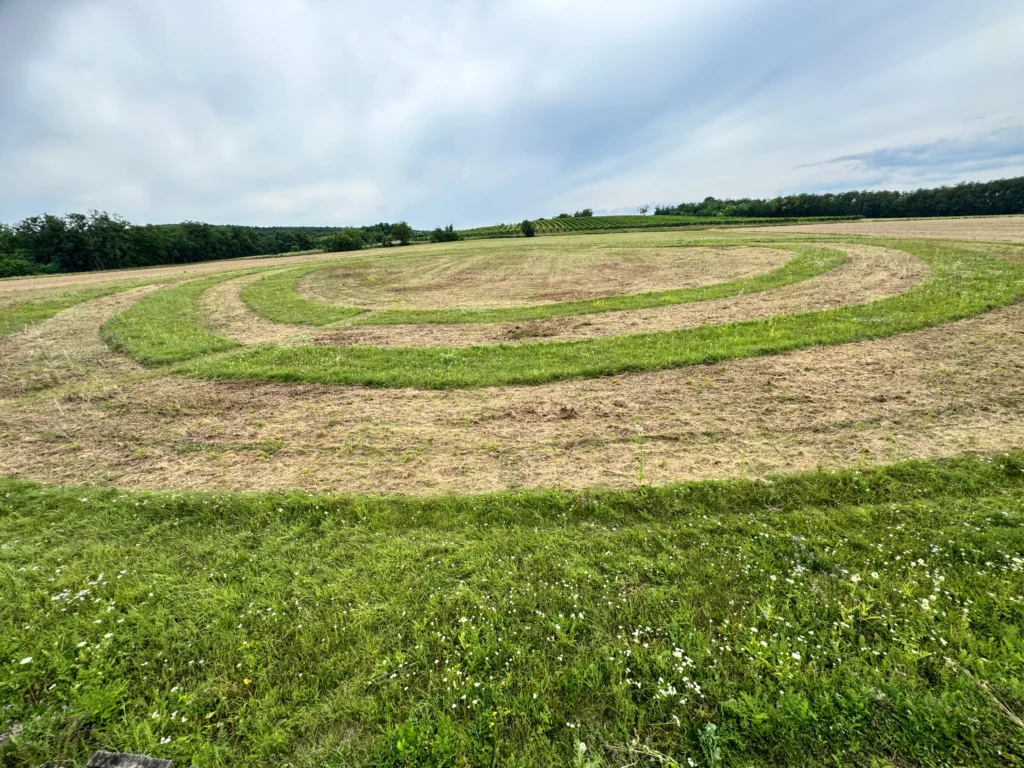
x,y
67,347
1006,228
535,273
872,273
933,393
226,314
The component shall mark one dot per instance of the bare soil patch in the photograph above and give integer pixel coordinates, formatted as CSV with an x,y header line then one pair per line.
x,y
871,273
932,393
518,276
1007,228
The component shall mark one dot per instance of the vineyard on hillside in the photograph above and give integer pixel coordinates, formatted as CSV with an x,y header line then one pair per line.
x,y
611,223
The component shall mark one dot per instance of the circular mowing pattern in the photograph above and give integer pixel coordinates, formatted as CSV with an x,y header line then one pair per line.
x,y
537,275
169,327
275,297
869,273
963,282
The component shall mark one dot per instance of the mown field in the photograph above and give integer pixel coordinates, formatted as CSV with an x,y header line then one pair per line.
x,y
710,498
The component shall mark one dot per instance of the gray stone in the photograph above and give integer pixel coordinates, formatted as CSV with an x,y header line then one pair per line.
x,y
120,760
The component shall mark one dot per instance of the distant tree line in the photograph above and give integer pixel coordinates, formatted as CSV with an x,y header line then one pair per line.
x,y
445,234
992,198
81,243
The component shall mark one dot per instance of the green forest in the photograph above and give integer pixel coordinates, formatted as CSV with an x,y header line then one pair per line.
x,y
81,243
989,198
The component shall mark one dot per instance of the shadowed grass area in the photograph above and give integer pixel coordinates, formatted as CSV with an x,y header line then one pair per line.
x,y
275,298
869,618
963,282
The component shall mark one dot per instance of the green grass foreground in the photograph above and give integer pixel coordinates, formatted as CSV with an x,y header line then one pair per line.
x,y
274,297
963,282
871,618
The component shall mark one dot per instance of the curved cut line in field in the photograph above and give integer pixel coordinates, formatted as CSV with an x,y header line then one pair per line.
x,y
871,273
534,276
928,394
171,327
227,315
963,283
56,352
275,298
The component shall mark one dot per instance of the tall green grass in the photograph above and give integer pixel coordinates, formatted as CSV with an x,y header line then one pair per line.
x,y
274,297
854,618
168,327
963,283
18,316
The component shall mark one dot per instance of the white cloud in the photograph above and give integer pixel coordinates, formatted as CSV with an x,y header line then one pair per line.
x,y
464,111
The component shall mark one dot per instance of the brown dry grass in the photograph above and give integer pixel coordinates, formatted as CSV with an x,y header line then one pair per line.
x,y
226,314
870,274
66,348
83,279
993,228
518,275
71,411
928,394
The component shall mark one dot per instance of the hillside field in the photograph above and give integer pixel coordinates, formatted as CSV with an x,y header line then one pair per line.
x,y
697,497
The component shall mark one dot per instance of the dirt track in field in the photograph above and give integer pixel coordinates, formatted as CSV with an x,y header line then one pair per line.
x,y
993,228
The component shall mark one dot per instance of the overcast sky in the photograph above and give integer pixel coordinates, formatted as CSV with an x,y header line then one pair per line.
x,y
475,112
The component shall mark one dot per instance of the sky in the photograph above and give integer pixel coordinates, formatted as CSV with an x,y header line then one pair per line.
x,y
334,112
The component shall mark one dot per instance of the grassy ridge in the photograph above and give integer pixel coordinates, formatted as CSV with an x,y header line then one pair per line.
x,y
623,223
963,283
850,618
275,298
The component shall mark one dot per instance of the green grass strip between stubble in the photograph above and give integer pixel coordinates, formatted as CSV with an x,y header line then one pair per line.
x,y
168,327
275,298
963,283
19,316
